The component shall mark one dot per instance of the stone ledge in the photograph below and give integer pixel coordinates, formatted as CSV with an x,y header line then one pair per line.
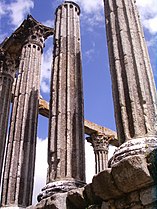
x,y
59,187
143,146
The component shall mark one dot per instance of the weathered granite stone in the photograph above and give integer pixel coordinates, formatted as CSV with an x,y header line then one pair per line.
x,y
90,196
94,207
140,199
7,73
134,197
131,174
12,207
108,205
134,91
31,207
58,187
152,164
144,146
151,206
105,205
100,144
104,186
18,179
76,197
66,154
148,196
133,166
135,101
56,201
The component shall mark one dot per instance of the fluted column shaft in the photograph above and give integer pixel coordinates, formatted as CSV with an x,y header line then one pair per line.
x,y
100,144
7,73
66,158
134,92
18,177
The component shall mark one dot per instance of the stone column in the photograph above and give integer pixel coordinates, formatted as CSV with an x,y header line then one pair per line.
x,y
7,72
100,144
66,157
18,176
134,92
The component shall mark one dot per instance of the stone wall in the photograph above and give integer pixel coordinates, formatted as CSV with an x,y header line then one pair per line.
x,y
144,198
130,184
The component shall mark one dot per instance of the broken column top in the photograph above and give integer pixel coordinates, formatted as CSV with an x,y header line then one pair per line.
x,y
69,2
14,43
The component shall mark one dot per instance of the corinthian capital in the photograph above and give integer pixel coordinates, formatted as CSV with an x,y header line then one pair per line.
x,y
36,36
7,63
36,32
100,142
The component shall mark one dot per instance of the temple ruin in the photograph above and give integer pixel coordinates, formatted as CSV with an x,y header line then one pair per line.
x,y
128,179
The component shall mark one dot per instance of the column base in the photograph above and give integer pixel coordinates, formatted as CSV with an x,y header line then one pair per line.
x,y
59,187
133,147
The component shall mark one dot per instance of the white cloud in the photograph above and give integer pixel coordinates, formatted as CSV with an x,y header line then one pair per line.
x,y
151,24
92,12
2,9
18,9
147,7
90,20
46,70
148,13
111,151
45,85
152,42
90,162
15,12
90,53
49,23
90,6
40,167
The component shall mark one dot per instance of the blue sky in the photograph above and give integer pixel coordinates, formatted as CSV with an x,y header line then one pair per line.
x,y
96,76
